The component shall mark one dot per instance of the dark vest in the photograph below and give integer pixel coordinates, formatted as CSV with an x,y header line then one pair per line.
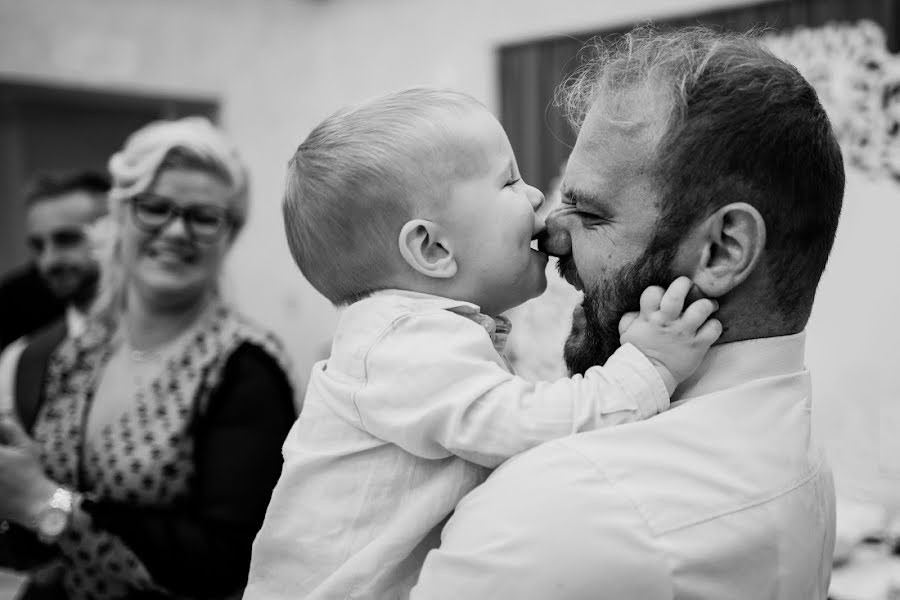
x,y
31,371
20,549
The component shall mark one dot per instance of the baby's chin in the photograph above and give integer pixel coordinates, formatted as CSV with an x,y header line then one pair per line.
x,y
541,287
539,265
536,291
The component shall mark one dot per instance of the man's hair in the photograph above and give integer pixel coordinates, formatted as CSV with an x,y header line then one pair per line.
x,y
359,176
47,185
741,126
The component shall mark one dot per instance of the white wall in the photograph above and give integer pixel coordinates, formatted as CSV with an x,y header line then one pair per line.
x,y
278,67
852,344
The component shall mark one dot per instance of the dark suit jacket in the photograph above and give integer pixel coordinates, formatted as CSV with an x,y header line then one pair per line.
x,y
26,305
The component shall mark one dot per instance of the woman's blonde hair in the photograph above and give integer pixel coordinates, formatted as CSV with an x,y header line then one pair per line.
x,y
188,143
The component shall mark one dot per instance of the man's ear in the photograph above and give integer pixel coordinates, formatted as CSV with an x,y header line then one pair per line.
x,y
425,249
732,241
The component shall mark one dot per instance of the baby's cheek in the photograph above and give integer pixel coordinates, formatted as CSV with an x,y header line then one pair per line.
x,y
526,228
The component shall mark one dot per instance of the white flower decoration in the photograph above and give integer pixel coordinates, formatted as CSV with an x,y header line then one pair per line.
x,y
858,83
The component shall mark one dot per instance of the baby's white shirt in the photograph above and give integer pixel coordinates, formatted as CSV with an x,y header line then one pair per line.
x,y
410,412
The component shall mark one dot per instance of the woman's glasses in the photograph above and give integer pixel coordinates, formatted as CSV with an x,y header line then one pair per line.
x,y
204,223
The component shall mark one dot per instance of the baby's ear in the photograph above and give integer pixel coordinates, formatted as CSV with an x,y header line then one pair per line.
x,y
426,249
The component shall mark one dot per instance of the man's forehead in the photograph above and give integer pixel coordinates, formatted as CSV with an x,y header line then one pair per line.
x,y
606,164
615,141
580,175
603,130
73,208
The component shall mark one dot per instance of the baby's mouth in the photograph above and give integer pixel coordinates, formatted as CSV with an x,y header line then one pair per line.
x,y
537,250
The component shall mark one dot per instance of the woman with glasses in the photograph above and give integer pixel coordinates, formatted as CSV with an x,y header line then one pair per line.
x,y
147,464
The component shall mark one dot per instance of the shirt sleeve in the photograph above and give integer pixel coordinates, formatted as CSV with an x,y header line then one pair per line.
x,y
436,387
202,547
547,524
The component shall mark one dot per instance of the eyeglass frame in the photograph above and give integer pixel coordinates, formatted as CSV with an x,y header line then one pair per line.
x,y
177,211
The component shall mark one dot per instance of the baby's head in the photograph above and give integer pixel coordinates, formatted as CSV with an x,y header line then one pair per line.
x,y
416,190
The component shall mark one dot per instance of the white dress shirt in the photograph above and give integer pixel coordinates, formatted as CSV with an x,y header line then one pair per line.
x,y
409,413
726,496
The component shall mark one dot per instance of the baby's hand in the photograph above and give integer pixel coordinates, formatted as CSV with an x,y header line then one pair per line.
x,y
674,341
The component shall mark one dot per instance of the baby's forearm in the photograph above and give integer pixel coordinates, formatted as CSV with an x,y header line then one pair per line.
x,y
487,422
629,387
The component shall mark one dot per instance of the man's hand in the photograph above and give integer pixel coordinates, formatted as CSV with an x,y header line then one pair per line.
x,y
675,339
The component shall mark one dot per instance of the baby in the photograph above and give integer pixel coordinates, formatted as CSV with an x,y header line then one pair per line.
x,y
410,210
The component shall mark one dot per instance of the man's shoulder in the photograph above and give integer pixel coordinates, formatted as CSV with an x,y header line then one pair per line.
x,y
23,367
27,357
24,286
692,463
720,479
25,305
549,505
18,278
47,337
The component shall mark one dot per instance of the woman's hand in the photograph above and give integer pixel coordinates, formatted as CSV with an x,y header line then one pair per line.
x,y
24,488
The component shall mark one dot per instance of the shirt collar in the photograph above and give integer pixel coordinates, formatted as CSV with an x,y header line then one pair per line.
x,y
76,321
735,363
424,300
498,328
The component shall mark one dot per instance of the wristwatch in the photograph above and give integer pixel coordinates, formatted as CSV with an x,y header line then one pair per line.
x,y
54,518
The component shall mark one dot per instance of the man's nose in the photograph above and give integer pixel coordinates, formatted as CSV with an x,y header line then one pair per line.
x,y
555,240
48,256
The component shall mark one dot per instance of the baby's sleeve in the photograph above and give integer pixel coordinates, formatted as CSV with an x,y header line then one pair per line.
x,y
436,387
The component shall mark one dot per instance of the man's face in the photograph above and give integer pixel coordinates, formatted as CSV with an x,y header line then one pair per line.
x,y
603,233
55,228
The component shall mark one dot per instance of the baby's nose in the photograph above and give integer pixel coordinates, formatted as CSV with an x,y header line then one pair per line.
x,y
536,198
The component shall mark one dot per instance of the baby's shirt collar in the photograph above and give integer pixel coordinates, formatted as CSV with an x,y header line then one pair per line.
x,y
498,328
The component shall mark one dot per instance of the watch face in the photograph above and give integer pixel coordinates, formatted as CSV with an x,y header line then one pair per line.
x,y
52,522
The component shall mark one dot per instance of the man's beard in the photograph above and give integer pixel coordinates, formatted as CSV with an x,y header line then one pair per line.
x,y
595,337
81,288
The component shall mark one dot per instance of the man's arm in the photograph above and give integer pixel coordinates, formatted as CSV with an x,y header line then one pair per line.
x,y
547,524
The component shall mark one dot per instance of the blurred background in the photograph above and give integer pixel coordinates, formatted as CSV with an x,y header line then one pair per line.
x,y
76,76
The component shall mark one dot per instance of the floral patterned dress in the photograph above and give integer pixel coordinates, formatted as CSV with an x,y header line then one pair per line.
x,y
144,462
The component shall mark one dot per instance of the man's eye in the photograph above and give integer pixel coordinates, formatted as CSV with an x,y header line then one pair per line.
x,y
68,239
513,181
590,219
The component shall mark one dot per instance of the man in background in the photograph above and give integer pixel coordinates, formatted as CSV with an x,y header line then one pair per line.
x,y
59,209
